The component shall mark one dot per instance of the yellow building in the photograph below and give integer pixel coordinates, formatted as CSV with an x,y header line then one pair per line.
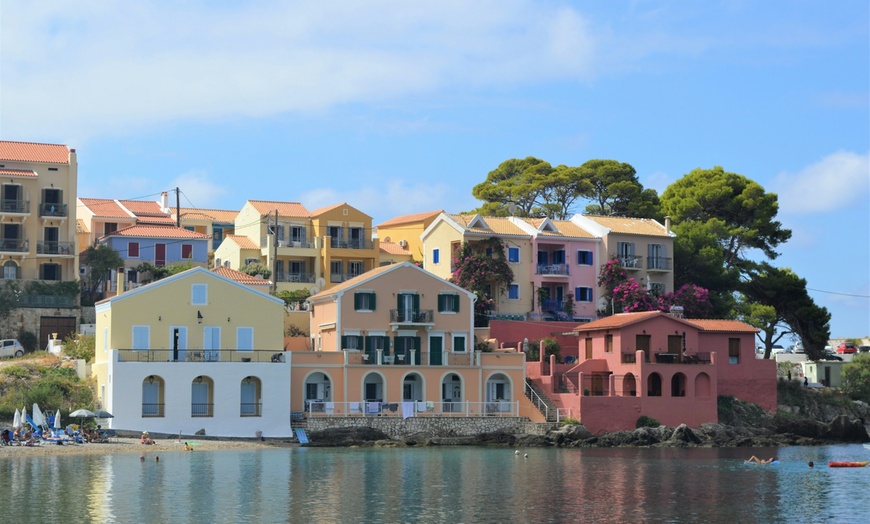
x,y
405,231
193,351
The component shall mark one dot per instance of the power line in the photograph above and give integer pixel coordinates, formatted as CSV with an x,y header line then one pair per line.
x,y
837,293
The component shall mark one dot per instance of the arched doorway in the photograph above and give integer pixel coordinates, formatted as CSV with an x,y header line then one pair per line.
x,y
373,388
629,386
678,385
412,388
498,393
654,386
318,390
703,388
202,397
451,393
250,394
152,396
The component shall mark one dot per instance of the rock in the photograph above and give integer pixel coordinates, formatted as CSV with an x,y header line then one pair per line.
x,y
684,435
200,433
847,429
496,438
346,437
571,432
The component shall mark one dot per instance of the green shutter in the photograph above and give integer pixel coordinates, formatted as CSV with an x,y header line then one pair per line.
x,y
343,341
373,300
459,344
441,303
456,303
356,300
416,303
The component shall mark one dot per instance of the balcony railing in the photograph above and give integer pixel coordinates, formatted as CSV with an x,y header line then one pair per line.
x,y
658,263
200,355
674,358
250,409
14,245
152,410
47,209
14,206
410,357
353,243
553,305
199,409
629,358
48,247
412,316
416,408
553,269
295,277
630,262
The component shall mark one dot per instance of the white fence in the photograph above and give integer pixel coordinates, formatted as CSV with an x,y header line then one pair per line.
x,y
412,409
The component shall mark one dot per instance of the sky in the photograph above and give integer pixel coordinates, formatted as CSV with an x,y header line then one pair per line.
x,y
399,107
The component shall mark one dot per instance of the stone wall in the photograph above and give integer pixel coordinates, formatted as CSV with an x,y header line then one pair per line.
x,y
27,319
434,426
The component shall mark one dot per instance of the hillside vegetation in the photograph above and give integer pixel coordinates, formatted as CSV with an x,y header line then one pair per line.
x,y
44,379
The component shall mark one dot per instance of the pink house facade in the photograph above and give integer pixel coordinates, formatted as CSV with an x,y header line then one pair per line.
x,y
656,365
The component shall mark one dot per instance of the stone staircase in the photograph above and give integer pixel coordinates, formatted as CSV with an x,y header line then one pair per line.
x,y
537,396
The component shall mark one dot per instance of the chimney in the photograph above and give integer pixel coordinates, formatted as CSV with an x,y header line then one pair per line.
x,y
120,281
667,225
164,202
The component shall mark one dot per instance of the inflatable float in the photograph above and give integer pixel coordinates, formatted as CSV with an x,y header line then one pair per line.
x,y
847,464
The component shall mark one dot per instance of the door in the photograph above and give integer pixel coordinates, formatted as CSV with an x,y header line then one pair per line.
x,y
675,343
199,406
159,255
436,345
178,339
372,392
643,343
211,343
63,326
249,399
50,238
150,399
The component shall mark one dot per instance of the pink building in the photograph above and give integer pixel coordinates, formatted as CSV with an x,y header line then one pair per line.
x,y
655,364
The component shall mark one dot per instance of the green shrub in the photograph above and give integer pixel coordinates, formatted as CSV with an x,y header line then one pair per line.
x,y
80,346
570,422
28,340
16,371
644,421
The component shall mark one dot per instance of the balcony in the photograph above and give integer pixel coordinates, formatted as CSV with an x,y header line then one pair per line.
x,y
419,408
353,243
52,209
412,316
199,356
658,264
11,206
631,262
307,278
553,269
47,247
14,245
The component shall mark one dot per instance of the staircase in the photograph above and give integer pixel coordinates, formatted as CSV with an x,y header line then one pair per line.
x,y
541,401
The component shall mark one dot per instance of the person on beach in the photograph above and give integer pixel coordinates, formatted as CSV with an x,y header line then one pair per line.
x,y
188,447
146,439
755,460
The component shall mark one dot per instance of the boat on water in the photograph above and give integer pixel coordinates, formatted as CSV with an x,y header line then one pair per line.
x,y
847,464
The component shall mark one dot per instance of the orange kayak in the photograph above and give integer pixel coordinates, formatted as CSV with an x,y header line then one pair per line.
x,y
847,464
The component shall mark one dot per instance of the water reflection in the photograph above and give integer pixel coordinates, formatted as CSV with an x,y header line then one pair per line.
x,y
436,485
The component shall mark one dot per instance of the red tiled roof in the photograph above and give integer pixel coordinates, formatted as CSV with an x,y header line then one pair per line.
x,y
217,215
238,276
497,225
105,208
627,225
286,209
33,152
18,172
728,326
617,321
242,241
143,207
416,217
157,232
391,248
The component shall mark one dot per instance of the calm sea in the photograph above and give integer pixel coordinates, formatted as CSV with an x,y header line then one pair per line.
x,y
456,484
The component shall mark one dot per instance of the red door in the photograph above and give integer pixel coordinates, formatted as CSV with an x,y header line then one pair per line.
x,y
160,255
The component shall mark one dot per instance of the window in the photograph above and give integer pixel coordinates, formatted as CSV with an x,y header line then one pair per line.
x,y
141,337
608,343
513,254
110,227
249,261
354,342
49,272
297,235
245,338
133,249
514,292
459,343
656,288
186,251
199,294
733,350
436,256
584,258
355,269
448,303
364,301
583,294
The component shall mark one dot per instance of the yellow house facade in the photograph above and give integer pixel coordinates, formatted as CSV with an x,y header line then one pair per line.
x,y
193,351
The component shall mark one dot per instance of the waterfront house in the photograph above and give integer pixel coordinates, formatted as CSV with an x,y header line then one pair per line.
x,y
400,341
38,234
656,365
193,351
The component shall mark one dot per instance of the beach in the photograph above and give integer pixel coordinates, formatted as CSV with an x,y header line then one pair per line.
x,y
133,445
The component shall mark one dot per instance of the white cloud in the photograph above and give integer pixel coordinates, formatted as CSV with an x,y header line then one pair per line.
x,y
197,190
838,180
88,68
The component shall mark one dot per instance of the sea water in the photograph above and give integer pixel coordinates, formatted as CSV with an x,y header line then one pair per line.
x,y
438,484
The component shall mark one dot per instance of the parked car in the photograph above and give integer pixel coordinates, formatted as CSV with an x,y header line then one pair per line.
x,y
827,355
10,347
847,347
778,349
798,348
863,349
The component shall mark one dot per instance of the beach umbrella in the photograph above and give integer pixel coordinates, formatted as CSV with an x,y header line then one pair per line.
x,y
82,413
57,420
101,413
38,417
16,421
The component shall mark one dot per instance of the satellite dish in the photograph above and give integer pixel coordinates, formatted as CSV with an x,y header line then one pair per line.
x,y
386,239
314,290
512,209
320,283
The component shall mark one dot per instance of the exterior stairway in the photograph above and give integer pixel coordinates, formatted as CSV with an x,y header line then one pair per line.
x,y
541,401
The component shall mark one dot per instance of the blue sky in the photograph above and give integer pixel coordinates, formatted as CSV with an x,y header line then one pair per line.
x,y
398,107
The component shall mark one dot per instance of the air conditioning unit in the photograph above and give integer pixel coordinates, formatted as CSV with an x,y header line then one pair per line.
x,y
403,243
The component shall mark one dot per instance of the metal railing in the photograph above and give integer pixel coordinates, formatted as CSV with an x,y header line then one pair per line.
x,y
412,316
201,409
553,269
295,277
659,263
537,400
14,245
52,209
8,205
353,243
630,262
250,409
49,247
200,355
152,410
410,358
416,408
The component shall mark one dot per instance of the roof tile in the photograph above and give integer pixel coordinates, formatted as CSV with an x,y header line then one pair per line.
x,y
636,226
34,152
18,172
157,232
286,209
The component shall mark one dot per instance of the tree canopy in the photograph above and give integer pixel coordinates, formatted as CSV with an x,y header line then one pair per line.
x,y
614,189
99,261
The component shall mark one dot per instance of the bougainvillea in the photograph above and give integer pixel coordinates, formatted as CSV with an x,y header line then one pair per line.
x,y
624,294
481,267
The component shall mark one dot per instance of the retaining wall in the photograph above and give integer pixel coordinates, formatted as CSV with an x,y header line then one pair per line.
x,y
435,426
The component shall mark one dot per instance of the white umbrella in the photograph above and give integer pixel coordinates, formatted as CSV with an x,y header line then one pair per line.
x,y
57,420
16,421
23,415
38,417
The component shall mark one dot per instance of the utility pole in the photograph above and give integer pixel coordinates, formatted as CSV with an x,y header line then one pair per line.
x,y
177,209
274,264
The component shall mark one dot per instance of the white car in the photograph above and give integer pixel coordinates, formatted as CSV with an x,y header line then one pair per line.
x,y
10,347
778,349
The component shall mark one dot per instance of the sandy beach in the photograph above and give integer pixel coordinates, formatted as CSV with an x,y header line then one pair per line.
x,y
133,445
